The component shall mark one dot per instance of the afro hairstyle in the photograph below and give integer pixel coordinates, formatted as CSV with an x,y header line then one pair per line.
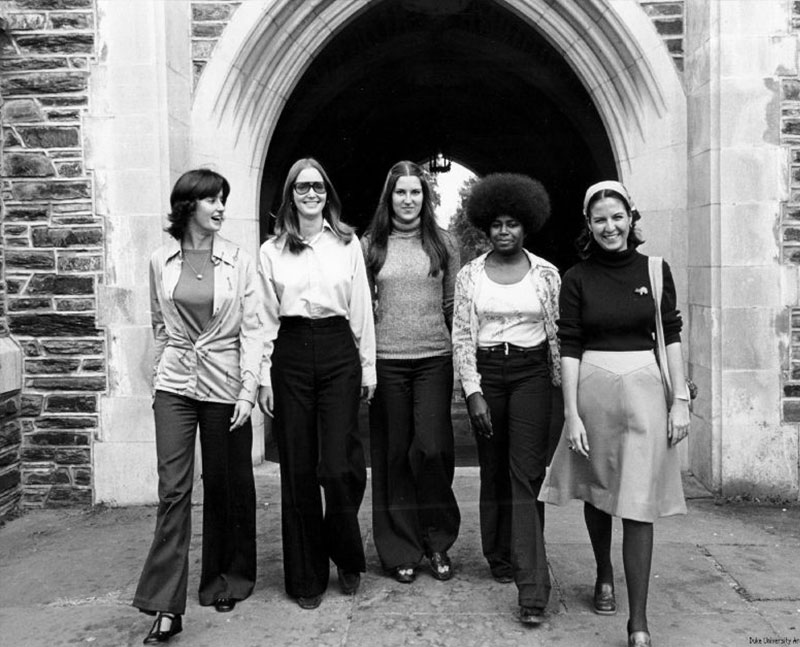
x,y
508,194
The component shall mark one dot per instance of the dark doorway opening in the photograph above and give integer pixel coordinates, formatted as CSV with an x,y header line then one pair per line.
x,y
470,77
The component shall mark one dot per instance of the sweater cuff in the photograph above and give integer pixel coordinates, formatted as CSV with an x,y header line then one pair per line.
x,y
575,353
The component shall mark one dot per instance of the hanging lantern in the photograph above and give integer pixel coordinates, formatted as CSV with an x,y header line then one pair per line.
x,y
439,163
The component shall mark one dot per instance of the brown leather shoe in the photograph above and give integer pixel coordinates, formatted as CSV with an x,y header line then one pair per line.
x,y
604,602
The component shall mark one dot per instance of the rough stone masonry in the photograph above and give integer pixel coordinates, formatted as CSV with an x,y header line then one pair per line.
x,y
53,255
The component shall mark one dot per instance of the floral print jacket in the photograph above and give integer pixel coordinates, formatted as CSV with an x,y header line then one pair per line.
x,y
544,279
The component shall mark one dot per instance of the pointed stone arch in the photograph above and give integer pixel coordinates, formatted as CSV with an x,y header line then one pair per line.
x,y
610,44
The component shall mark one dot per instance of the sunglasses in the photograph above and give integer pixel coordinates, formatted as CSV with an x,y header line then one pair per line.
x,y
301,188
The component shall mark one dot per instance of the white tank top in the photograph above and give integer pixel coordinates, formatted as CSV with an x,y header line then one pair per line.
x,y
509,313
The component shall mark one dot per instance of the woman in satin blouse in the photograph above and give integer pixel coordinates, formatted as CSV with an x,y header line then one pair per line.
x,y
206,315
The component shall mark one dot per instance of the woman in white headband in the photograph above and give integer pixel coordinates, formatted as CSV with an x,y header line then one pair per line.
x,y
618,448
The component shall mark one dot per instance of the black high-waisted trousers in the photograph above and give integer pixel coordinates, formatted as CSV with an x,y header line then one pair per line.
x,y
316,380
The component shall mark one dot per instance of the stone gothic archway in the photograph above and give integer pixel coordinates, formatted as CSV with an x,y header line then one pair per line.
x,y
610,45
719,223
636,128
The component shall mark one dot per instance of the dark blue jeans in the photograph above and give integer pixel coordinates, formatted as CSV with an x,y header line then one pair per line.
x,y
414,510
229,506
512,465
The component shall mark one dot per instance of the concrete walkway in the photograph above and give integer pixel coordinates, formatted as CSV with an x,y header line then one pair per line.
x,y
722,575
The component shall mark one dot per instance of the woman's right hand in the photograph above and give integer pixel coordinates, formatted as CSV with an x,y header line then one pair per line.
x,y
265,399
479,414
575,433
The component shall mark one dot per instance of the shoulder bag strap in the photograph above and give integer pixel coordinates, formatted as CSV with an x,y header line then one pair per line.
x,y
655,267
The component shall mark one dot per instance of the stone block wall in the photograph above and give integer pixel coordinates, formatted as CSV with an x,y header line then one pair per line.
x,y
9,454
209,19
10,426
10,435
53,244
790,229
790,245
668,19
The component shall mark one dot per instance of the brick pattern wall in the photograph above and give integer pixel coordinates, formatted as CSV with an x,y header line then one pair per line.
x,y
668,18
10,434
790,227
209,19
53,244
9,455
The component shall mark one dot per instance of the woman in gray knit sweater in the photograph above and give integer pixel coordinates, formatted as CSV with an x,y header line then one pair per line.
x,y
412,266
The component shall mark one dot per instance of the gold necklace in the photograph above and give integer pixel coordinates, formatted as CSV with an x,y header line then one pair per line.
x,y
198,275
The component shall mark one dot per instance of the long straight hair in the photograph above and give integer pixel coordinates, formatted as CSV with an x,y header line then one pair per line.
x,y
287,221
381,225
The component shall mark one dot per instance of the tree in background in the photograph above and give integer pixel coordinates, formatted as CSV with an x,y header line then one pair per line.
x,y
472,242
436,198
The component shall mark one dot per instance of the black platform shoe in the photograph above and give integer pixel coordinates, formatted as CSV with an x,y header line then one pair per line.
x,y
158,635
224,605
441,566
404,574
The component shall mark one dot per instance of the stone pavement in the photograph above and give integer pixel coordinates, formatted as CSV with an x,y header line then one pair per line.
x,y
722,575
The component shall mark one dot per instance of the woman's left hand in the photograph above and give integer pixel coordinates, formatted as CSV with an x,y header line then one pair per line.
x,y
241,413
367,392
678,422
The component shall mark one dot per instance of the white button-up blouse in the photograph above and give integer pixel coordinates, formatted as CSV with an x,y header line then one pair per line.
x,y
326,279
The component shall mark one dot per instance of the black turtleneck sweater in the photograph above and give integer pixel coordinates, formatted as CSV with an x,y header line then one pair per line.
x,y
603,306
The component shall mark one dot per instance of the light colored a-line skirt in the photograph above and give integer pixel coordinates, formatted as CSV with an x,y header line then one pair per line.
x,y
632,472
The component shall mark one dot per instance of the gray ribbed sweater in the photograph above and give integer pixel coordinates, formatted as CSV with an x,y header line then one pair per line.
x,y
413,311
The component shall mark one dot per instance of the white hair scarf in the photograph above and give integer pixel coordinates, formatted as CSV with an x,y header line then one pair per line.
x,y
612,185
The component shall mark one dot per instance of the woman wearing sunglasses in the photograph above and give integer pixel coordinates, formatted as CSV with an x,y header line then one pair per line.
x,y
319,357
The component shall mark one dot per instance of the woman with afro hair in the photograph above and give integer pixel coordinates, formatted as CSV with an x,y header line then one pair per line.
x,y
506,355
